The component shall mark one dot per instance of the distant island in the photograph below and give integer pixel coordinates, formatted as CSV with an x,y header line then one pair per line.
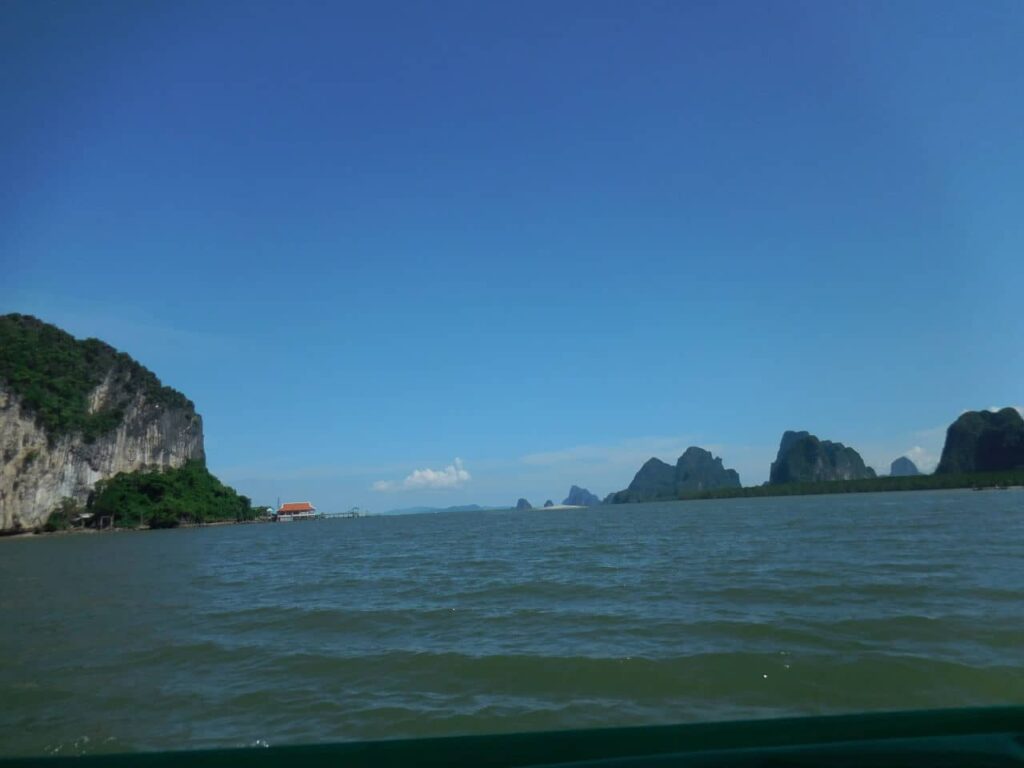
x,y
696,471
903,467
983,449
580,497
803,458
984,441
90,437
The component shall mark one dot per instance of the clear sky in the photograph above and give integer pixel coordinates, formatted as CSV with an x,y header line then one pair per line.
x,y
547,239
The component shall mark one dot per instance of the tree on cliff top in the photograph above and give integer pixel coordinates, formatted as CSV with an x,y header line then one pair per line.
x,y
54,373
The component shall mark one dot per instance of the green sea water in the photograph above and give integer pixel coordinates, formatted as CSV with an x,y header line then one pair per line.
x,y
484,622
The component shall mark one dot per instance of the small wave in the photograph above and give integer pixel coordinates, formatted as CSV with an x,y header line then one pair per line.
x,y
746,677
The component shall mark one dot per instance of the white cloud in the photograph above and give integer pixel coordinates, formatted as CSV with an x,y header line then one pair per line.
x,y
1018,408
924,460
455,475
452,476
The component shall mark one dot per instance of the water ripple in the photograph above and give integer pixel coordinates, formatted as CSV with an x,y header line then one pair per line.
x,y
442,624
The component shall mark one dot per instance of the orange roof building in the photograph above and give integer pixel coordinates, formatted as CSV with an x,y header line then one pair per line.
x,y
296,508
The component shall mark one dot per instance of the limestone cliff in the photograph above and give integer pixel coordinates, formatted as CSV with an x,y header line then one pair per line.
x,y
133,421
803,458
696,470
699,470
903,467
984,441
581,497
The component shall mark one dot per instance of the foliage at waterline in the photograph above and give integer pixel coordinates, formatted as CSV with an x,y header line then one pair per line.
x,y
64,516
168,498
872,485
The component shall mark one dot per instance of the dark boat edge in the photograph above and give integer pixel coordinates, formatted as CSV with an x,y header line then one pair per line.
x,y
950,737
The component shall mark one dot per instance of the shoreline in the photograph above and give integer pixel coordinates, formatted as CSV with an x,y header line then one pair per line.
x,y
119,529
979,481
850,487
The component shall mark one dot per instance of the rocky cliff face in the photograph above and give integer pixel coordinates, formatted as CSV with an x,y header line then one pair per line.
x,y
655,480
74,412
581,497
38,472
696,470
983,441
523,505
803,458
903,467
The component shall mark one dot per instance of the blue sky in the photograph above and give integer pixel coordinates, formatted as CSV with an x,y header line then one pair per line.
x,y
547,239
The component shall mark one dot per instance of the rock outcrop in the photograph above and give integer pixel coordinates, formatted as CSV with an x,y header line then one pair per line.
x,y
903,467
984,441
523,505
655,480
695,471
803,458
549,503
698,470
581,497
141,425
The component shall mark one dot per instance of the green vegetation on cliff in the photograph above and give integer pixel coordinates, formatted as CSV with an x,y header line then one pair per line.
x,y
696,471
64,516
168,498
984,441
54,373
804,459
